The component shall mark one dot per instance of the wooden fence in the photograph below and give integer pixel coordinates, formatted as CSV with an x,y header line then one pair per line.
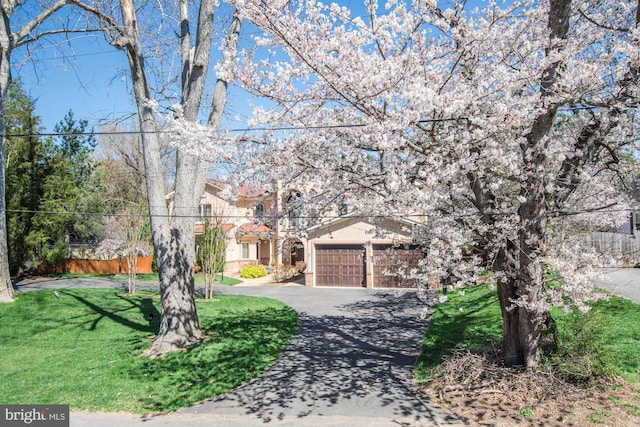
x,y
98,266
622,247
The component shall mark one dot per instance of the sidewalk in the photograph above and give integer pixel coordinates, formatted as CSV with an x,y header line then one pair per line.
x,y
264,281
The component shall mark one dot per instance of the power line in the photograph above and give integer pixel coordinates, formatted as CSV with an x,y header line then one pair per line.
x,y
234,130
268,218
91,133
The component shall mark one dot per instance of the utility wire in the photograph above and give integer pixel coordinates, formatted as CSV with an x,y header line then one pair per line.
x,y
267,218
235,130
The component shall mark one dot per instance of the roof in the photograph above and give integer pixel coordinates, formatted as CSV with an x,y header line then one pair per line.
x,y
225,228
251,229
357,216
363,217
244,190
255,228
251,190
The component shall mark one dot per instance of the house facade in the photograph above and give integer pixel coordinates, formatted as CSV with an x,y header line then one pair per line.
x,y
353,251
346,250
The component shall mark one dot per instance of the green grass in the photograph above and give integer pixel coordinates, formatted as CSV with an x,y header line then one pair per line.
x,y
621,320
473,321
152,277
470,321
598,416
84,349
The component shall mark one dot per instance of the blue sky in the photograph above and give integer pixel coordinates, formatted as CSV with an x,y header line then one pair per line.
x,y
94,82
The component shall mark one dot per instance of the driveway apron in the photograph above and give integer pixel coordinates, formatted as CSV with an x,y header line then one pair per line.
x,y
353,355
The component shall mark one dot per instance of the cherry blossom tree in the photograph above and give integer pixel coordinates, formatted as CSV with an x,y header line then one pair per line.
x,y
500,128
129,228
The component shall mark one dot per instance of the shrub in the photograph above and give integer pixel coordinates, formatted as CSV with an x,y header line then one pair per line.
x,y
253,271
289,272
284,273
581,357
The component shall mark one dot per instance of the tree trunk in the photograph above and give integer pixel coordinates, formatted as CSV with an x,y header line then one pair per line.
x,y
521,279
132,270
6,287
172,239
520,262
521,330
179,323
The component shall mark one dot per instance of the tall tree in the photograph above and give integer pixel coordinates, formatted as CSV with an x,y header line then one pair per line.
x,y
31,20
69,190
26,170
173,232
76,144
497,127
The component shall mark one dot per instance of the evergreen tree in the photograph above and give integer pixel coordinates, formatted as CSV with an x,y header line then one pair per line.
x,y
48,183
76,146
26,170
69,192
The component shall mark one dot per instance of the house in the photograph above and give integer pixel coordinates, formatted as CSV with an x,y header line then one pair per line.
x,y
248,240
345,250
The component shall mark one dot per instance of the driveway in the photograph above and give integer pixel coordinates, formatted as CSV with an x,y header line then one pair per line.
x,y
622,281
350,364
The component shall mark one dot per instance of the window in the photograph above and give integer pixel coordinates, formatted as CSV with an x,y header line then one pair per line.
x,y
205,212
245,251
294,203
343,209
259,210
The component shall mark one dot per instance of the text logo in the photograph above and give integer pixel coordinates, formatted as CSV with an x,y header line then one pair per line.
x,y
34,415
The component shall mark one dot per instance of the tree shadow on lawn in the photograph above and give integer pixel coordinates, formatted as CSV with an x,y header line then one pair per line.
x,y
238,348
145,306
357,364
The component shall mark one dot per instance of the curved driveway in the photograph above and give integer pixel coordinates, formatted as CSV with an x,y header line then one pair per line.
x,y
350,364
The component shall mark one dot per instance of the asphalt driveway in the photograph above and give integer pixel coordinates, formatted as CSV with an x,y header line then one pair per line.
x,y
350,364
353,356
621,281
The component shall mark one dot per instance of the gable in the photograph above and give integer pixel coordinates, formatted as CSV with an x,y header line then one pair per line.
x,y
355,228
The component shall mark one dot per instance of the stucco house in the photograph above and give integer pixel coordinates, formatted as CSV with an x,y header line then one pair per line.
x,y
346,250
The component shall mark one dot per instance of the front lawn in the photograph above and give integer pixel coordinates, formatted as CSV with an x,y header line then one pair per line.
x,y
471,320
458,368
84,349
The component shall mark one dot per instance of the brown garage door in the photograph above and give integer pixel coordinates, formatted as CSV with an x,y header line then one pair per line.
x,y
340,265
391,259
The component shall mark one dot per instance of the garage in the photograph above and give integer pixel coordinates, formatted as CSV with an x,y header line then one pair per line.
x,y
387,258
340,265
